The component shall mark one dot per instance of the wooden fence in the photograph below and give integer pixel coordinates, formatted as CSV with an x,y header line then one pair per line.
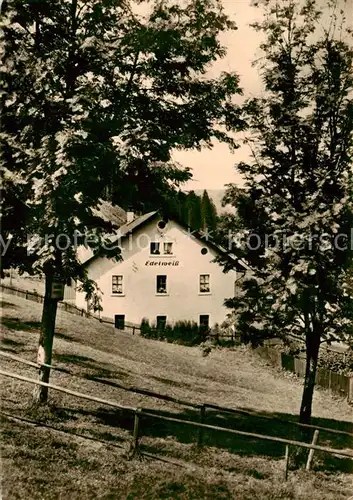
x,y
139,413
72,309
341,385
66,306
202,407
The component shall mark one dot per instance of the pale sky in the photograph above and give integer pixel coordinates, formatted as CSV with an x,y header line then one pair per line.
x,y
214,168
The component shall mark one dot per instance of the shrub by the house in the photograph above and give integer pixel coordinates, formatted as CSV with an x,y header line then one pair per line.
x,y
181,332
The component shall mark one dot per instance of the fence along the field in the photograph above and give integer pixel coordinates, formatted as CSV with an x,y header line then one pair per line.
x,y
71,308
140,412
66,306
197,406
37,297
328,379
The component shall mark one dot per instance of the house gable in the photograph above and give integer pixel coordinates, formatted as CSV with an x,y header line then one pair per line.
x,y
164,272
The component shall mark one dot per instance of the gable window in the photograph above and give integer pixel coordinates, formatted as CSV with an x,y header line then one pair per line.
x,y
161,284
117,284
168,248
154,248
161,322
205,283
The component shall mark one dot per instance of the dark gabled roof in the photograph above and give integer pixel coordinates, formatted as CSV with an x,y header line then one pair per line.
x,y
127,229
110,213
130,227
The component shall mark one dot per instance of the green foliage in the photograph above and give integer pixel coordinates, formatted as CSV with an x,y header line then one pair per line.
x,y
298,196
145,327
95,303
340,362
181,332
194,216
197,212
336,361
112,93
208,213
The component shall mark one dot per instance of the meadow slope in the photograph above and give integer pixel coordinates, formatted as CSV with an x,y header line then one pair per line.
x,y
84,468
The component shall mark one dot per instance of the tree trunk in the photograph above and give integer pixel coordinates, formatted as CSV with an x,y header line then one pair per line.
x,y
46,338
312,354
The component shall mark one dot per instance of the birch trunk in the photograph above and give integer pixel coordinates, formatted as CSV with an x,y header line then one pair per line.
x,y
45,347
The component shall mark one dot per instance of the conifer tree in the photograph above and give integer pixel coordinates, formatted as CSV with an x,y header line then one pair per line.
x,y
208,213
194,220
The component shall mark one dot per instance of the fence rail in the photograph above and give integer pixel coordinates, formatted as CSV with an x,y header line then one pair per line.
x,y
271,354
202,407
141,412
63,305
73,309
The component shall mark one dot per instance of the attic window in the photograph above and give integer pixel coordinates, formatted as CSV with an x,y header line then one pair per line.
x,y
168,248
154,249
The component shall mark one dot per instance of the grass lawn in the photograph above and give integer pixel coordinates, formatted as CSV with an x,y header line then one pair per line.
x,y
42,463
25,282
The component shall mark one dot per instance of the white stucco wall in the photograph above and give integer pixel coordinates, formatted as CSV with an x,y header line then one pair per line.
x,y
183,300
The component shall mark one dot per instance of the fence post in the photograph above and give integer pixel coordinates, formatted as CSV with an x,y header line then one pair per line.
x,y
133,330
136,435
350,390
202,420
311,452
286,462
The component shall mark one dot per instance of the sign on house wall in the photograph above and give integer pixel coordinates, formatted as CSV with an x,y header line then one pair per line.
x,y
161,263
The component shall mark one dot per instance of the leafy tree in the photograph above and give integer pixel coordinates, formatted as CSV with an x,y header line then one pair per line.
x,y
147,188
184,212
13,216
208,212
96,92
294,217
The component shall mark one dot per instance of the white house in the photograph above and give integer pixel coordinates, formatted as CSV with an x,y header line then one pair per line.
x,y
166,274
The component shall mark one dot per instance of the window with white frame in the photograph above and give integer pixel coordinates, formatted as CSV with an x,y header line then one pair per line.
x,y
117,285
168,248
155,248
161,284
205,283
